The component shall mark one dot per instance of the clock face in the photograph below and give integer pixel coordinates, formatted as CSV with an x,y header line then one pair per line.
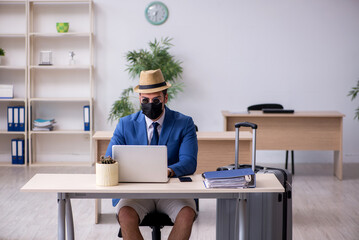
x,y
156,13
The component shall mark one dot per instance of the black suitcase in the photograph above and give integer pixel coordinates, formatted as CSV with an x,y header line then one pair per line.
x,y
269,215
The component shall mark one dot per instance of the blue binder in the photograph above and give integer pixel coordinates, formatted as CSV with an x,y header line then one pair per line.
x,y
14,151
10,118
16,119
20,151
22,119
86,116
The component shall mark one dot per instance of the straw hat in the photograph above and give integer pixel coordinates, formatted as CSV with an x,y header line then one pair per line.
x,y
151,81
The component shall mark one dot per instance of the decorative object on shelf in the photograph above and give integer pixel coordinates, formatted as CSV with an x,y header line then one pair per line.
x,y
6,91
157,58
62,27
45,58
354,92
106,172
2,55
71,60
156,13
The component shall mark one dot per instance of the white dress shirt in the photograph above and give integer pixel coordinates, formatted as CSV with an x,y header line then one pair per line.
x,y
149,126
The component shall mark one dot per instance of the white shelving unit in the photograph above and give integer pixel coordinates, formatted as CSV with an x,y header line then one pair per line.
x,y
13,70
60,91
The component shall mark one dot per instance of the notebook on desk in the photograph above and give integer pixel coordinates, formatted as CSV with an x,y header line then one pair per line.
x,y
141,163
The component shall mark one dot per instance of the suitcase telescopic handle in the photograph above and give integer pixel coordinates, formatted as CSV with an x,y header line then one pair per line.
x,y
246,124
254,127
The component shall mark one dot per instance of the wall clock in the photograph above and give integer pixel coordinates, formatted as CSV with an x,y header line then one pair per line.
x,y
156,13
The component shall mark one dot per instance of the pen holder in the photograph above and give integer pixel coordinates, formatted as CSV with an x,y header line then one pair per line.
x,y
107,174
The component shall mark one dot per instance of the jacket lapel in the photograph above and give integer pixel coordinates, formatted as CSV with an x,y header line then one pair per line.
x,y
168,124
140,128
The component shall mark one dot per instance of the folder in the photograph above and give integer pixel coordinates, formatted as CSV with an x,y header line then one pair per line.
x,y
21,118
87,118
20,151
10,118
243,177
16,119
14,151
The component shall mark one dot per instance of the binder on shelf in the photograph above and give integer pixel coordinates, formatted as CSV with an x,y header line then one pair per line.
x,y
20,151
14,151
21,118
16,119
10,118
86,118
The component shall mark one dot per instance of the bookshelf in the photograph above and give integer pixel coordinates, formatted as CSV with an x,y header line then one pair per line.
x,y
60,90
13,71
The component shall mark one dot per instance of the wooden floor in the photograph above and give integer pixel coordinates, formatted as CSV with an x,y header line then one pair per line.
x,y
323,207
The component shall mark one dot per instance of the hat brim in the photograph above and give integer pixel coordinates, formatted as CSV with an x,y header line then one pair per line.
x,y
151,90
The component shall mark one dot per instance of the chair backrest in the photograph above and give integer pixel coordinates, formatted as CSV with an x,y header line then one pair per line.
x,y
264,105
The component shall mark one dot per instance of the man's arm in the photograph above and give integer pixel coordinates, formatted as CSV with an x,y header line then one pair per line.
x,y
188,150
117,138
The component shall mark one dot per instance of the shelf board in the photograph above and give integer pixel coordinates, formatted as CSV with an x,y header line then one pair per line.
x,y
74,132
13,67
68,34
61,164
12,1
7,164
60,99
13,100
12,133
61,67
60,1
12,35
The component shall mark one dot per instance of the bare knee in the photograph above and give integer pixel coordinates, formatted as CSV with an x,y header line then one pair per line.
x,y
128,216
187,215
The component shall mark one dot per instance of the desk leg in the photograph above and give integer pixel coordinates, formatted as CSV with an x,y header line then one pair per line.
x,y
69,220
61,217
226,219
338,164
243,233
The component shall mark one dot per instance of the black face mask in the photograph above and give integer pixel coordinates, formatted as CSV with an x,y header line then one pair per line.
x,y
151,110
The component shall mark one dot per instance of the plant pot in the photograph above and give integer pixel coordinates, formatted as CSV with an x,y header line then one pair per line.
x,y
106,174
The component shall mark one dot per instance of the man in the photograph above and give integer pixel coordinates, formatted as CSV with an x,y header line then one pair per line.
x,y
157,124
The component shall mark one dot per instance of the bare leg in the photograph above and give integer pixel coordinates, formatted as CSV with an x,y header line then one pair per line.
x,y
183,225
129,222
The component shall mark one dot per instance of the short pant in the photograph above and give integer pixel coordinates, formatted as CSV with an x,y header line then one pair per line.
x,y
171,207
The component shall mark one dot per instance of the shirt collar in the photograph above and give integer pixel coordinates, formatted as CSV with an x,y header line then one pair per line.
x,y
160,120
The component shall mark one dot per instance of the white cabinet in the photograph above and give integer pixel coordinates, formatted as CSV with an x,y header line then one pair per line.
x,y
61,90
13,71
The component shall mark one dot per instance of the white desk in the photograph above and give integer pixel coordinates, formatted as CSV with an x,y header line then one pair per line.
x,y
229,222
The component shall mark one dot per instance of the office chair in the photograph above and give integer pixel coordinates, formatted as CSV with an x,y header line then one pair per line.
x,y
273,106
156,220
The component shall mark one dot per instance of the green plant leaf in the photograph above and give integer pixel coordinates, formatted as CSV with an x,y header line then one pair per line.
x,y
156,57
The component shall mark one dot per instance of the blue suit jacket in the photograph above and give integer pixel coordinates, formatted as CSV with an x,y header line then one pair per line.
x,y
178,134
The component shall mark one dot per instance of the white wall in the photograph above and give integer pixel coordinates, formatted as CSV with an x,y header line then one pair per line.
x,y
301,53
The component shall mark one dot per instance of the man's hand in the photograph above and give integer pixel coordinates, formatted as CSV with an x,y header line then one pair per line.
x,y
170,172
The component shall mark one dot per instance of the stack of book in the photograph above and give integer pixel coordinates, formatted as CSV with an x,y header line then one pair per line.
x,y
237,178
43,124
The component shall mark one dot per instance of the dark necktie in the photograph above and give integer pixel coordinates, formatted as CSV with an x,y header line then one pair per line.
x,y
154,140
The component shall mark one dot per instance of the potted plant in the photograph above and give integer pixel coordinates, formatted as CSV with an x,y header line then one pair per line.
x,y
157,57
2,54
106,172
353,93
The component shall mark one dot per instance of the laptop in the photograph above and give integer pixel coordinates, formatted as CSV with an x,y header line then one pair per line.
x,y
141,163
